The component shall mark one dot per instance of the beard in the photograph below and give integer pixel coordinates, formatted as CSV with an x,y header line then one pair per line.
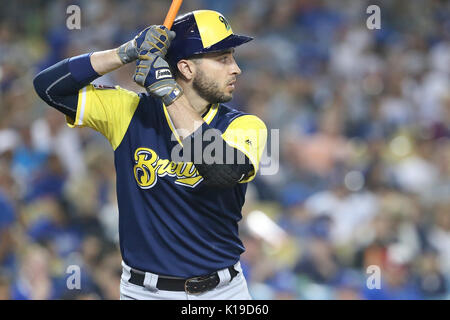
x,y
209,90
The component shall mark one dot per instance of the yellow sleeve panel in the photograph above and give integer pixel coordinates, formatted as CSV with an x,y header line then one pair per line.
x,y
108,111
249,135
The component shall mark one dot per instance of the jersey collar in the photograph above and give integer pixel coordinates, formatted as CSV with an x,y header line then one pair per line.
x,y
208,117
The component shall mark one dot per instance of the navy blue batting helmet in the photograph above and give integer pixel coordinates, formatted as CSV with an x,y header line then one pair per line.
x,y
201,31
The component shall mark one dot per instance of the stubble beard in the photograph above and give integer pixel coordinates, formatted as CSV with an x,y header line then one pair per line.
x,y
208,89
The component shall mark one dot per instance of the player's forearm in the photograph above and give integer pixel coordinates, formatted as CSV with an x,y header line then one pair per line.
x,y
105,61
58,85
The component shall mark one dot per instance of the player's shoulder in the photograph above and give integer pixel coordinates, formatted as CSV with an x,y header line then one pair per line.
x,y
228,115
106,88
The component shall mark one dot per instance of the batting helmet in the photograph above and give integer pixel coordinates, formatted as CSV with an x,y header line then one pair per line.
x,y
201,31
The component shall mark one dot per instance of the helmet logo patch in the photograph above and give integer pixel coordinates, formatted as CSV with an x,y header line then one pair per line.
x,y
225,22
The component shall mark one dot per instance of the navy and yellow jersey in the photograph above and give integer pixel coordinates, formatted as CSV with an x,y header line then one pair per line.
x,y
169,222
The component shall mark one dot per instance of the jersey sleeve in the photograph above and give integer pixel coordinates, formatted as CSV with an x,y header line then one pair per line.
x,y
108,110
248,134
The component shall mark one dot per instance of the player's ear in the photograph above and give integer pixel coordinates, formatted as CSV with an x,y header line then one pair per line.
x,y
187,69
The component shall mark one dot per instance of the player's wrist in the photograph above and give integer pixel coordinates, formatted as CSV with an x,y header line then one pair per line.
x,y
166,90
128,52
173,95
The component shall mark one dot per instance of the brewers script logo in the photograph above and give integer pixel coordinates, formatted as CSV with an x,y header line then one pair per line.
x,y
148,167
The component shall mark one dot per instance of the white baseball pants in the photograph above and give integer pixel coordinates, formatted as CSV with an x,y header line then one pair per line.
x,y
235,289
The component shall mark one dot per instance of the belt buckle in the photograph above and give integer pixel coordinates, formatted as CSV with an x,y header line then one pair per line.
x,y
192,286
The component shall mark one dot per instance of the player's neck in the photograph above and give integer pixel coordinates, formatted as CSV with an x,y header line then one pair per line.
x,y
199,104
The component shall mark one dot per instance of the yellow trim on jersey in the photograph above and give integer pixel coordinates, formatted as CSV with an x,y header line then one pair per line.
x,y
108,111
209,116
212,26
249,135
171,126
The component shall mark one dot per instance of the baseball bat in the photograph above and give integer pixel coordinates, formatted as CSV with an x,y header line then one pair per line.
x,y
173,10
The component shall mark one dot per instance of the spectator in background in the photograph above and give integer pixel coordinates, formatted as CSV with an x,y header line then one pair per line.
x,y
5,290
439,235
397,284
34,280
319,263
47,221
50,134
8,218
26,161
431,280
48,182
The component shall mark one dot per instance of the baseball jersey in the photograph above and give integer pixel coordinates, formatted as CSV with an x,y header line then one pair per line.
x,y
170,223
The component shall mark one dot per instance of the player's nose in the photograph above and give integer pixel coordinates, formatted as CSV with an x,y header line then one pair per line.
x,y
235,68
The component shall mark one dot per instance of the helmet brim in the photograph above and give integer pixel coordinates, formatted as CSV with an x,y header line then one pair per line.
x,y
231,41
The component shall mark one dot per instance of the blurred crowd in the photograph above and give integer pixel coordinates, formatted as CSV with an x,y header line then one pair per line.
x,y
363,186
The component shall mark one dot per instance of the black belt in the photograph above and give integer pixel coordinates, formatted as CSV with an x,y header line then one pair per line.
x,y
192,285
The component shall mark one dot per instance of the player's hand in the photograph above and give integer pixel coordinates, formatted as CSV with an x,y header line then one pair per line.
x,y
153,73
154,39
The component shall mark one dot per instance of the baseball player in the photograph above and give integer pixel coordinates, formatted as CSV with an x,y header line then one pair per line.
x,y
178,218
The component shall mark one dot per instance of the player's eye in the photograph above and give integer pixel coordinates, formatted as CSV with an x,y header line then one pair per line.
x,y
223,59
226,59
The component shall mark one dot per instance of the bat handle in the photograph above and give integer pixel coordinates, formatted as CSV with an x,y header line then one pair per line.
x,y
173,10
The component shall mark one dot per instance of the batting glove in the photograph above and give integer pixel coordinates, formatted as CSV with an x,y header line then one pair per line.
x,y
154,39
153,73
